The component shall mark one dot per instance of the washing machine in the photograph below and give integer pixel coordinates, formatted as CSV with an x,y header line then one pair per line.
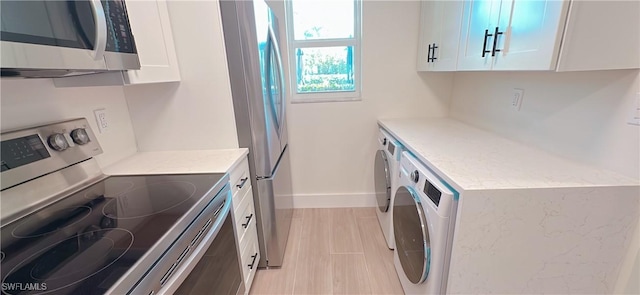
x,y
424,210
386,165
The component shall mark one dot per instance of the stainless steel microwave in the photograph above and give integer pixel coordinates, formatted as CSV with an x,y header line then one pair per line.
x,y
56,38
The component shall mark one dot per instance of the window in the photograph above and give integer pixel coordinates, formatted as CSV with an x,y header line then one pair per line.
x,y
324,49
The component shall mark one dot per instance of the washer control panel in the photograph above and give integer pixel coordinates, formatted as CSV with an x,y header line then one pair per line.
x,y
432,190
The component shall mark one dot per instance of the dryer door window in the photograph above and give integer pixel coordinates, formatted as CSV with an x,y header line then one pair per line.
x,y
382,181
411,234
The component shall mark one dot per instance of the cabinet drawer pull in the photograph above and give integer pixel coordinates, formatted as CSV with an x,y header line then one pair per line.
x,y
246,224
484,44
495,42
242,182
253,261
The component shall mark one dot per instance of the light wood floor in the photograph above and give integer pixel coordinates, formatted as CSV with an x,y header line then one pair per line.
x,y
332,251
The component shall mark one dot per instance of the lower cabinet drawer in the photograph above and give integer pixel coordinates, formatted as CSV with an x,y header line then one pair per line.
x,y
250,256
245,216
239,191
240,179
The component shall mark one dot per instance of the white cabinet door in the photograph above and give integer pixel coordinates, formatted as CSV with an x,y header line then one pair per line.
x,y
447,39
439,35
601,35
479,19
151,29
532,31
511,34
428,22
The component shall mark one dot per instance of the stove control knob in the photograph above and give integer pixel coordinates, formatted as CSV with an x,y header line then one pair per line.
x,y
58,142
415,176
80,136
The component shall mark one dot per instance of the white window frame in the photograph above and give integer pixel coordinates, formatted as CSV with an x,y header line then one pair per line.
x,y
328,96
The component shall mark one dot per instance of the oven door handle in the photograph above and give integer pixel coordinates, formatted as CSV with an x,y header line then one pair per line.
x,y
192,260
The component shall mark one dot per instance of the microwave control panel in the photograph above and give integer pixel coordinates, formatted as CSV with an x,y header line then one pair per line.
x,y
119,36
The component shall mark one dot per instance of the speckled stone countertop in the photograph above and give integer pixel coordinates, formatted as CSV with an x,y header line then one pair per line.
x,y
473,159
178,162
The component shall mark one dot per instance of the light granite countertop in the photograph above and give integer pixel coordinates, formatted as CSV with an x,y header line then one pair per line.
x,y
178,162
469,158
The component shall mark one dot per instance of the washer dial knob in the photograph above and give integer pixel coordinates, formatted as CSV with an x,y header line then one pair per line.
x,y
415,176
80,136
58,142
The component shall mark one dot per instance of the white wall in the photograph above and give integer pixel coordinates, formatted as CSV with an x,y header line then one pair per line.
x,y
333,144
27,102
196,113
581,116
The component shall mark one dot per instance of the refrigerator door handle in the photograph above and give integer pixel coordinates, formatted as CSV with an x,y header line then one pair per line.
x,y
277,167
270,102
281,79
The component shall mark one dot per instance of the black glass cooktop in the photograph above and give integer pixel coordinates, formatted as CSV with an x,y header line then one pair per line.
x,y
84,243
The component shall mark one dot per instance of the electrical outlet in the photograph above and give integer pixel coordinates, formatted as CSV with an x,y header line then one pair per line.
x,y
101,119
516,98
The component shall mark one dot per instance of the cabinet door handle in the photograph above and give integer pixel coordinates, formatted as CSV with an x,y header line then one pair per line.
x,y
484,44
429,54
242,182
246,224
253,261
433,52
495,42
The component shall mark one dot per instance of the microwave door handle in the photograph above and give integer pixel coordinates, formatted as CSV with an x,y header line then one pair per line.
x,y
100,19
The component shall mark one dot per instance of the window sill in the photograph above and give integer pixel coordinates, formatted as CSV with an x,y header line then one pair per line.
x,y
326,97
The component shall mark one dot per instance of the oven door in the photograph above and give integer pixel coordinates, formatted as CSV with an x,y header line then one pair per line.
x,y
217,271
204,260
40,37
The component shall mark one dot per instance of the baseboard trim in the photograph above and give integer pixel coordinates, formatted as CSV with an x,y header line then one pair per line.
x,y
334,200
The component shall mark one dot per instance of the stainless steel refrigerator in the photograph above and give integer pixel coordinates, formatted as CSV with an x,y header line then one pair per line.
x,y
258,88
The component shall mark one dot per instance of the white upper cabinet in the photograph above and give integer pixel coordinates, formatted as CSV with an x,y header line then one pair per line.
x,y
439,35
151,28
539,35
601,35
511,34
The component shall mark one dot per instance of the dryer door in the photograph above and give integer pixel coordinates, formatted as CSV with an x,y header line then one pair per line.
x,y
411,234
382,179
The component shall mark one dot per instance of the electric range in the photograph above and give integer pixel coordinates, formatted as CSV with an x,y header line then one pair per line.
x,y
73,230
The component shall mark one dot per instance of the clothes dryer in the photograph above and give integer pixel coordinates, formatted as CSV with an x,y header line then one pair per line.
x,y
424,210
387,160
